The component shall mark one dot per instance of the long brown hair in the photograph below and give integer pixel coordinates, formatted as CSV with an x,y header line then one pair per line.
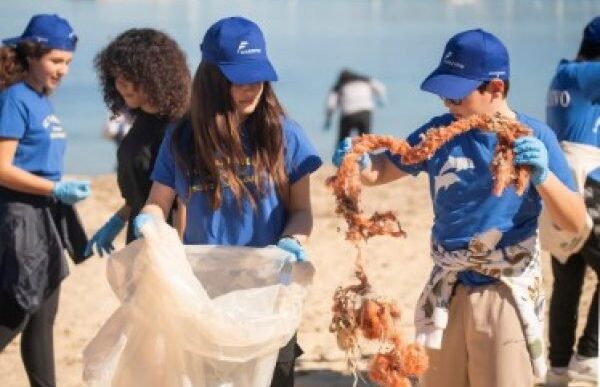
x,y
13,61
217,151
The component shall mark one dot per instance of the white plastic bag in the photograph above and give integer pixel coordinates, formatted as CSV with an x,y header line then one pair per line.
x,y
202,316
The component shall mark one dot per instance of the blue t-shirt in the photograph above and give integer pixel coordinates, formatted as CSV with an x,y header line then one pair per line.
x,y
230,225
28,116
460,183
573,104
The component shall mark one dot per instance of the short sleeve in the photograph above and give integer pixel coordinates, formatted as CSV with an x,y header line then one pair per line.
x,y
556,158
13,117
301,157
164,166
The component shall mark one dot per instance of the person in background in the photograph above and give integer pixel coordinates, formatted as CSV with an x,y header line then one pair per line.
x,y
37,219
480,314
355,96
116,127
241,166
573,111
144,73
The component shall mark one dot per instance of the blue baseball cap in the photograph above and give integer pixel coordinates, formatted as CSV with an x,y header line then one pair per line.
x,y
51,31
237,46
470,58
591,32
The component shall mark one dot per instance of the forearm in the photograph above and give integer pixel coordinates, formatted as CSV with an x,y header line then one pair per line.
x,y
124,212
17,179
566,208
380,171
299,225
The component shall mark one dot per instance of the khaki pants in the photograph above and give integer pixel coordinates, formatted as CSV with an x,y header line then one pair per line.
x,y
484,344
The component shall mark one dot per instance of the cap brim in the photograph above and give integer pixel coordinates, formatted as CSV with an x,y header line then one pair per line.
x,y
11,41
249,72
449,85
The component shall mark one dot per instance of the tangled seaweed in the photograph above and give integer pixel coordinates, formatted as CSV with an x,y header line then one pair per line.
x,y
356,309
346,183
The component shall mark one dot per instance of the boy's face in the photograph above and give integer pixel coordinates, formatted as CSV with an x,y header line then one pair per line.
x,y
478,102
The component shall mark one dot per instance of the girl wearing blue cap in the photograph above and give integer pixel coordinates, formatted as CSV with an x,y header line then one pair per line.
x,y
37,220
481,312
242,167
143,72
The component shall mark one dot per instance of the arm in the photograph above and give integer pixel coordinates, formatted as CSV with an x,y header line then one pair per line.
x,y
16,178
566,208
300,221
160,200
380,171
332,102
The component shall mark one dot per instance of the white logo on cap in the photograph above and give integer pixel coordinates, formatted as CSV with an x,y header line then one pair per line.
x,y
243,50
448,55
496,74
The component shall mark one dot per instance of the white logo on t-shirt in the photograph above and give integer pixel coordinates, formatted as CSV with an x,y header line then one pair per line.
x,y
445,179
52,123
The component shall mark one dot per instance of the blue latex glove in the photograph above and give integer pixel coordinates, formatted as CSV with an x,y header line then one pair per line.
x,y
343,149
532,152
103,238
291,245
139,221
70,192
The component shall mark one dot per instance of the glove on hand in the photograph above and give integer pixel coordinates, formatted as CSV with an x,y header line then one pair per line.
x,y
70,192
343,149
138,223
291,245
532,152
104,237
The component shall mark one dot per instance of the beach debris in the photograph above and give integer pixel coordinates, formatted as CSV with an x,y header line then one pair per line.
x,y
357,311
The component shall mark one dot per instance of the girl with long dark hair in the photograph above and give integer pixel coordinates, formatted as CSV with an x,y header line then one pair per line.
x,y
242,167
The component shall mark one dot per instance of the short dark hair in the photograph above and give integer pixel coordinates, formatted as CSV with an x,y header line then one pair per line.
x,y
484,85
589,50
152,61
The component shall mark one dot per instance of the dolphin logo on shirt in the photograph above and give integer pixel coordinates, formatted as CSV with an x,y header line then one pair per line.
x,y
446,178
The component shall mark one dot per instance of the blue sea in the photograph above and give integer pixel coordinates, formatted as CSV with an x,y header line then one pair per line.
x,y
309,41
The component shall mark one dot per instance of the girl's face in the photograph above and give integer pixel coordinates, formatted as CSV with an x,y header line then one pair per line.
x,y
133,95
45,73
245,98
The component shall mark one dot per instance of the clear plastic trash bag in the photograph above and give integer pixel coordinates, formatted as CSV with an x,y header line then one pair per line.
x,y
201,316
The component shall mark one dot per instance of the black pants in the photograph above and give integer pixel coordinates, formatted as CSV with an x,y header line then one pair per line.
x,y
361,121
37,340
283,376
566,292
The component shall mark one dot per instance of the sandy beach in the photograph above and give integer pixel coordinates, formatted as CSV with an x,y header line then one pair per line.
x,y
397,268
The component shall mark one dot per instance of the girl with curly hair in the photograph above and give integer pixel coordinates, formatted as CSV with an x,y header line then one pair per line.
x,y
143,72
34,201
242,167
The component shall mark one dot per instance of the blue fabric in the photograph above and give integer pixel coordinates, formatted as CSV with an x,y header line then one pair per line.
x,y
27,116
470,58
237,46
461,184
230,225
52,31
573,104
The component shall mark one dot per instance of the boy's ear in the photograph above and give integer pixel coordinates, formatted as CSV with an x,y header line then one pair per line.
x,y
496,86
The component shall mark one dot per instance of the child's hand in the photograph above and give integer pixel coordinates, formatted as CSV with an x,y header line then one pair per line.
x,y
343,149
532,152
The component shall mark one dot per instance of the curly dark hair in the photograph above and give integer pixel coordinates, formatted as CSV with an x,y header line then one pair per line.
x,y
152,61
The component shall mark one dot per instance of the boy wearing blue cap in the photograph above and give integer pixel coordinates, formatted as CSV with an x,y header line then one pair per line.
x,y
239,164
480,314
573,111
37,221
